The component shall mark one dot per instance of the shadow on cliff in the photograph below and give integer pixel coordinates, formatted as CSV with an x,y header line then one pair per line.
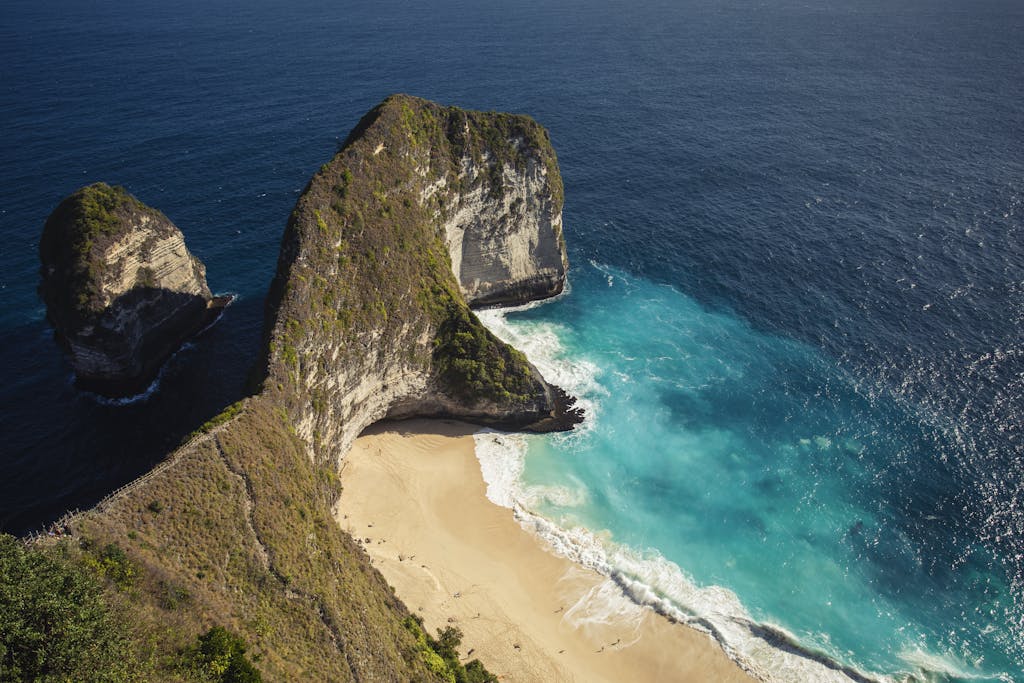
x,y
135,336
416,426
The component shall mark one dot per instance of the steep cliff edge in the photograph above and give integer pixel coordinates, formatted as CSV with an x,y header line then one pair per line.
x,y
367,318
121,289
501,206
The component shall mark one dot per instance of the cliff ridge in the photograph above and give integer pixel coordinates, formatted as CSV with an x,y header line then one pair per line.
x,y
424,210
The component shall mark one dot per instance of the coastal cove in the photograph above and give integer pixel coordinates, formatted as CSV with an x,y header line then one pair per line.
x,y
414,497
793,324
367,318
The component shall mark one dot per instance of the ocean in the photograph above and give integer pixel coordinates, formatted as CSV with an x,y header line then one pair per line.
x,y
796,296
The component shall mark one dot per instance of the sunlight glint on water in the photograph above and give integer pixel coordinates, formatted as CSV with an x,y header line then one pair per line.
x,y
732,479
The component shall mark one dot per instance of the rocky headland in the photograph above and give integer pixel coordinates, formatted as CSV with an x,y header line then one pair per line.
x,y
121,288
424,210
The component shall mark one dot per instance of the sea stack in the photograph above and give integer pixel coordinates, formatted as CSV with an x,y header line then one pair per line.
x,y
121,289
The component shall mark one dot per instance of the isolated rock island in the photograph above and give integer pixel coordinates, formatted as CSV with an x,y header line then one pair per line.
x,y
121,289
424,211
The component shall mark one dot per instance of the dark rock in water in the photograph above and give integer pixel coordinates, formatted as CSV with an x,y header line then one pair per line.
x,y
121,289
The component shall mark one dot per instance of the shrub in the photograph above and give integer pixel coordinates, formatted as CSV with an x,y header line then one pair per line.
x,y
54,624
223,417
475,363
476,673
171,596
220,656
441,655
110,562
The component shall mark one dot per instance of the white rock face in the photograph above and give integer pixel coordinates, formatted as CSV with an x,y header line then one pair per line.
x,y
153,291
152,252
507,248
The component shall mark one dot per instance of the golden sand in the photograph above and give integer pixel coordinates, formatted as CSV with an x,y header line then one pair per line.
x,y
414,494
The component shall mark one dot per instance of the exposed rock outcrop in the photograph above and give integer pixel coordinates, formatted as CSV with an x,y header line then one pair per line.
x,y
503,227
366,319
121,289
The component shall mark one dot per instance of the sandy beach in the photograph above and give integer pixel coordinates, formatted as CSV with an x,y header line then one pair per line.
x,y
414,495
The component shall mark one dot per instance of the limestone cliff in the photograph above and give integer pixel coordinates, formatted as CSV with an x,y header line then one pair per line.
x,y
121,289
366,318
501,207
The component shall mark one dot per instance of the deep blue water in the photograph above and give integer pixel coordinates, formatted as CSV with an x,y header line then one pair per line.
x,y
809,214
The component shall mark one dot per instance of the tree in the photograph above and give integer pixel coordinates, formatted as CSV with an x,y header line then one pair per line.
x,y
220,656
54,623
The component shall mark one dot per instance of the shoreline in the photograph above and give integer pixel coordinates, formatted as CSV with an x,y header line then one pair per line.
x,y
414,497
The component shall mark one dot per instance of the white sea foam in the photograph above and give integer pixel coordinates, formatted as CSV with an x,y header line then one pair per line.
x,y
943,667
232,298
559,496
647,579
140,397
636,579
650,580
540,342
605,605
501,462
146,393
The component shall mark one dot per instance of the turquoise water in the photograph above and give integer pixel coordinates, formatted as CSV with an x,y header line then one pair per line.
x,y
798,281
756,464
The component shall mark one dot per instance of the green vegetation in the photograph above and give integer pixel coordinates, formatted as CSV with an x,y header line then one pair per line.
x,y
237,530
83,222
501,138
474,365
441,654
245,539
98,204
110,562
88,218
364,267
220,656
171,596
223,417
54,622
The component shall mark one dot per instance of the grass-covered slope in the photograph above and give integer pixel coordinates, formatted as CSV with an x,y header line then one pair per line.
x,y
235,531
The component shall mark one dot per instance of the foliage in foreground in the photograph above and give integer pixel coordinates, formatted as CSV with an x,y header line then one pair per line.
x,y
54,623
441,655
220,656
